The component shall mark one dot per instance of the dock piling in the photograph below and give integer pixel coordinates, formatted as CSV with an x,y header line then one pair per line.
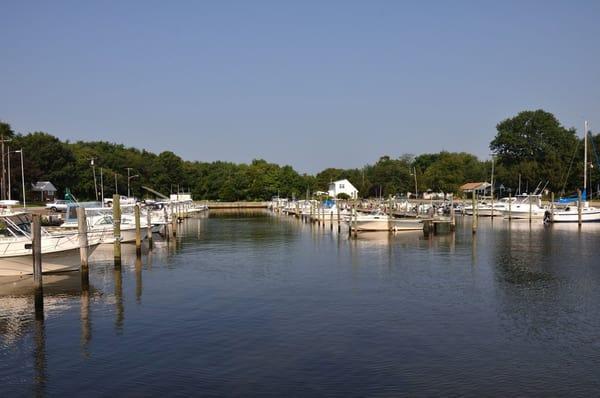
x,y
117,229
138,231
149,229
83,244
36,249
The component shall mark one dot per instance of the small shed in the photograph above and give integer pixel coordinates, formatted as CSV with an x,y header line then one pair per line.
x,y
46,189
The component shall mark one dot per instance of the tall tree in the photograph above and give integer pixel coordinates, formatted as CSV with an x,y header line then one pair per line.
x,y
536,146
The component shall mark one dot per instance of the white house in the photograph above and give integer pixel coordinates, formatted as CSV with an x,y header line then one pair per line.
x,y
342,186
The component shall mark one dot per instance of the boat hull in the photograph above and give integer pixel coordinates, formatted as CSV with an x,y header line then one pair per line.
x,y
573,216
62,261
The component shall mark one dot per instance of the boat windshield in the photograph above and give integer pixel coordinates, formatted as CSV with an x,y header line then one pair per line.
x,y
16,225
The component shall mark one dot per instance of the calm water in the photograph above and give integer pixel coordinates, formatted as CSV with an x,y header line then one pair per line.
x,y
251,304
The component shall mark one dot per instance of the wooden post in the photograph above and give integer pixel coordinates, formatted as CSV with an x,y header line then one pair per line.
x,y
149,228
167,234
173,221
355,223
83,241
331,219
509,206
36,249
427,227
474,221
579,219
338,218
117,229
350,221
138,231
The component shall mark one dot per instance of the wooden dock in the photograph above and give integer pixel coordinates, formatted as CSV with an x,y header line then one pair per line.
x,y
236,205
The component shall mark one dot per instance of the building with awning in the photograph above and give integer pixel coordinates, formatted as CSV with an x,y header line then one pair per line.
x,y
46,189
477,188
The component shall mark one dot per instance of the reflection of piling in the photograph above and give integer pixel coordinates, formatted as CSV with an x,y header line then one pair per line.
x,y
138,231
119,298
40,357
138,279
86,330
452,214
552,206
149,229
339,219
117,229
579,220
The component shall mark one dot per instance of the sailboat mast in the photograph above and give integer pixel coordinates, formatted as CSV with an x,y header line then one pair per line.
x,y
585,129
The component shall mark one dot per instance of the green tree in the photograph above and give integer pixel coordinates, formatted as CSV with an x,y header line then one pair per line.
x,y
536,146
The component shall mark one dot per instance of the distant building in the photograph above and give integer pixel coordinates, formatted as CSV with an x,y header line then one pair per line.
x,y
479,188
342,186
46,189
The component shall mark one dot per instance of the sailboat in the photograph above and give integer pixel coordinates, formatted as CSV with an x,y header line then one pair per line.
x,y
570,213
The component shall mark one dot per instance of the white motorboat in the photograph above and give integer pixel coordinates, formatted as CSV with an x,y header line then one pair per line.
x,y
100,225
571,214
59,251
331,213
379,221
524,207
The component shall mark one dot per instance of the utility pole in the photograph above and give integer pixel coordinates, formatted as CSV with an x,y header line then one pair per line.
x,y
8,154
3,184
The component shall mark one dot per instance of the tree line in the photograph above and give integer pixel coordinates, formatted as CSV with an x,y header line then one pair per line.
x,y
529,148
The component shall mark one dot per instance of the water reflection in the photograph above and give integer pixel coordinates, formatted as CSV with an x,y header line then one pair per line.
x,y
253,303
118,292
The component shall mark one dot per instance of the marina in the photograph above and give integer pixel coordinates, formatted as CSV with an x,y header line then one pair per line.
x,y
303,199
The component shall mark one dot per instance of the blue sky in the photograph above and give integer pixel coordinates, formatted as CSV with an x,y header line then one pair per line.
x,y
313,84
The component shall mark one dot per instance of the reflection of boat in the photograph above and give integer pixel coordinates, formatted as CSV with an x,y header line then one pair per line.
x,y
106,253
17,306
59,251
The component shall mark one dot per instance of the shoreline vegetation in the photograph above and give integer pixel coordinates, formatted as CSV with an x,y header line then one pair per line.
x,y
532,147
